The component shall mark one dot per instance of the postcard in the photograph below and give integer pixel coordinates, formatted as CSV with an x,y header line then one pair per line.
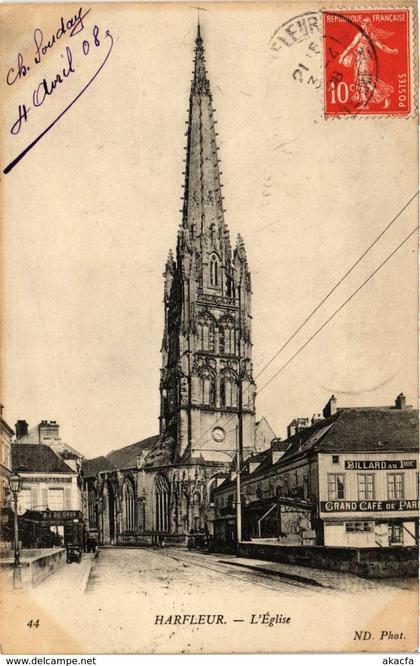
x,y
210,375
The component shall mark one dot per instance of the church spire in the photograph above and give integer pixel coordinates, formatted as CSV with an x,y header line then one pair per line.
x,y
202,218
200,84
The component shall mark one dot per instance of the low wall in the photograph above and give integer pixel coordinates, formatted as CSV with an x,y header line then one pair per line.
x,y
36,566
364,562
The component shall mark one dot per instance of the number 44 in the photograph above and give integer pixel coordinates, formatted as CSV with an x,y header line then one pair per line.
x,y
33,624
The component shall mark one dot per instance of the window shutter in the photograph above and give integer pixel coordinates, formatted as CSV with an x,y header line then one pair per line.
x,y
44,500
67,499
34,498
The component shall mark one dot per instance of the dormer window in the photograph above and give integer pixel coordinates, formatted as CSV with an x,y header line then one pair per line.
x,y
214,271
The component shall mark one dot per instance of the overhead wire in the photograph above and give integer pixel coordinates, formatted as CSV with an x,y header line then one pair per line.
x,y
285,365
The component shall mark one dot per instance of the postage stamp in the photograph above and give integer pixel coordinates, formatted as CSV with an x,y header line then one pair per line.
x,y
367,62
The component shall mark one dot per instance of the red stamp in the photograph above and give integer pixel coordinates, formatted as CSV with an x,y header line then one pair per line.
x,y
367,62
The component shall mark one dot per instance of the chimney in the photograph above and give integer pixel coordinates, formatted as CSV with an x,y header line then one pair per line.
x,y
330,408
297,425
400,401
21,429
47,431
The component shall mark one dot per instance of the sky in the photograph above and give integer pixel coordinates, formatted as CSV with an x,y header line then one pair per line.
x,y
91,212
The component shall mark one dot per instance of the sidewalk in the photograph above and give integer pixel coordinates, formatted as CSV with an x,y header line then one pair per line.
x,y
69,579
323,578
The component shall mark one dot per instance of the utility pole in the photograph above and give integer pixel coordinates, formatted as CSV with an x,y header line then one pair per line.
x,y
239,429
238,492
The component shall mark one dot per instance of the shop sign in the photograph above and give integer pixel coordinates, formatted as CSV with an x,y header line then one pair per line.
x,y
59,515
380,464
27,479
342,506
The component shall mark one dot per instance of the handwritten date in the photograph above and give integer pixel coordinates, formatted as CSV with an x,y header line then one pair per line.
x,y
73,26
46,88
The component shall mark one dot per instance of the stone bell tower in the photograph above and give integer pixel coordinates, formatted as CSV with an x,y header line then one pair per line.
x,y
207,389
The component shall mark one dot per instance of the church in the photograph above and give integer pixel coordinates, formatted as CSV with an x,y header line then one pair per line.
x,y
164,485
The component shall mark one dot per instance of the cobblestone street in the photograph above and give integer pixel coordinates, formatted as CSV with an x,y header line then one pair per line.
x,y
133,595
197,570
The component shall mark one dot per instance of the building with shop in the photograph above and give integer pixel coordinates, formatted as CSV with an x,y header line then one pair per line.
x,y
348,479
6,434
48,433
163,486
50,502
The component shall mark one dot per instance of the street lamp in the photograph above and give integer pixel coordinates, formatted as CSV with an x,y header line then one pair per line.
x,y
15,484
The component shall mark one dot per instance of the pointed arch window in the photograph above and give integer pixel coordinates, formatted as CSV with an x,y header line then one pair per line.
x,y
205,330
210,345
228,390
195,510
226,336
129,519
214,271
221,340
207,387
162,495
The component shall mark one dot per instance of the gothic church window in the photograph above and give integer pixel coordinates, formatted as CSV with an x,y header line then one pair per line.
x,y
221,340
214,271
226,336
207,387
196,501
211,339
205,331
162,492
228,390
128,506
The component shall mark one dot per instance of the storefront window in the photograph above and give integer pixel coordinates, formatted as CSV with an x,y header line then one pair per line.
x,y
395,486
335,486
395,533
366,486
359,527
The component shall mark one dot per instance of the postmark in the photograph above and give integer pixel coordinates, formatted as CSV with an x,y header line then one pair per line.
x,y
301,34
367,62
295,30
